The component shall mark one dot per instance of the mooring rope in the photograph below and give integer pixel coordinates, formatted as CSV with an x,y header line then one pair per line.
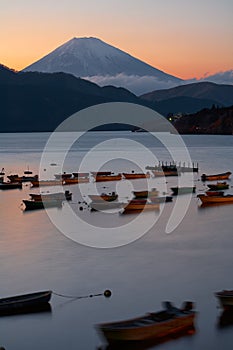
x,y
107,293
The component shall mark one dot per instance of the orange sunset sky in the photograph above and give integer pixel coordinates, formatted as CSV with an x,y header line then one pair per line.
x,y
181,37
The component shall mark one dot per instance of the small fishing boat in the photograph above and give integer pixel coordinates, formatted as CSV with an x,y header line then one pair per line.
x,y
215,199
140,205
164,199
169,172
17,178
154,325
81,174
146,194
49,203
28,172
103,197
216,177
67,195
218,186
131,176
225,298
75,180
62,176
10,185
100,178
100,173
214,193
99,206
183,190
19,303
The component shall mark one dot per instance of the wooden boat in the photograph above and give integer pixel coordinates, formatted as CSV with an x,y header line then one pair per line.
x,y
214,193
223,176
49,203
47,183
62,176
131,176
98,206
146,194
75,180
159,173
183,190
10,185
99,173
67,195
100,178
26,301
140,205
103,197
17,178
215,199
81,174
154,325
218,186
225,298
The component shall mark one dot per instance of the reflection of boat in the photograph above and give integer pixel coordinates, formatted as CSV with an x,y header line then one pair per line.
x,y
226,318
139,205
218,186
150,326
103,197
215,199
99,178
146,194
10,185
26,301
183,190
131,176
49,203
216,177
47,183
98,206
67,195
225,298
150,343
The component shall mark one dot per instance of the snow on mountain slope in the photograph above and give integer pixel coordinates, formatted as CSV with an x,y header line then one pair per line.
x,y
93,59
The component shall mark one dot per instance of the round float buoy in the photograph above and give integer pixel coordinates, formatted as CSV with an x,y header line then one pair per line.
x,y
81,208
107,293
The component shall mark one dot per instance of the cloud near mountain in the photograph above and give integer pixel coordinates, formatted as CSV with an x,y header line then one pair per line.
x,y
137,84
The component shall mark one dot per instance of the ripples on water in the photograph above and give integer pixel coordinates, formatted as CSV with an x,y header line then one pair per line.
x,y
191,263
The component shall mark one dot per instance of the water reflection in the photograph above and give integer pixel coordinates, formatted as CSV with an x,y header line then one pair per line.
x,y
43,308
226,318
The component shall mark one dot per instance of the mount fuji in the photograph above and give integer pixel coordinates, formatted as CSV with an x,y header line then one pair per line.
x,y
99,62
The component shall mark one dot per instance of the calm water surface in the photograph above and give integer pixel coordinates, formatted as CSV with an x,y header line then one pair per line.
x,y
191,263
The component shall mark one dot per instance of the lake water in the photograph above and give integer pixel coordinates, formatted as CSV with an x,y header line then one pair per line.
x,y
190,263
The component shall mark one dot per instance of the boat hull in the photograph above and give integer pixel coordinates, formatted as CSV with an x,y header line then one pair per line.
x,y
100,178
215,199
10,185
223,176
145,194
151,326
24,302
33,205
225,299
132,176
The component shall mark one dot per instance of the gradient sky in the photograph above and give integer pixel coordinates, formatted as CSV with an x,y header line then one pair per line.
x,y
186,38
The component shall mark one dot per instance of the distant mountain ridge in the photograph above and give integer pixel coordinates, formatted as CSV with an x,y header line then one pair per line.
x,y
191,98
41,101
